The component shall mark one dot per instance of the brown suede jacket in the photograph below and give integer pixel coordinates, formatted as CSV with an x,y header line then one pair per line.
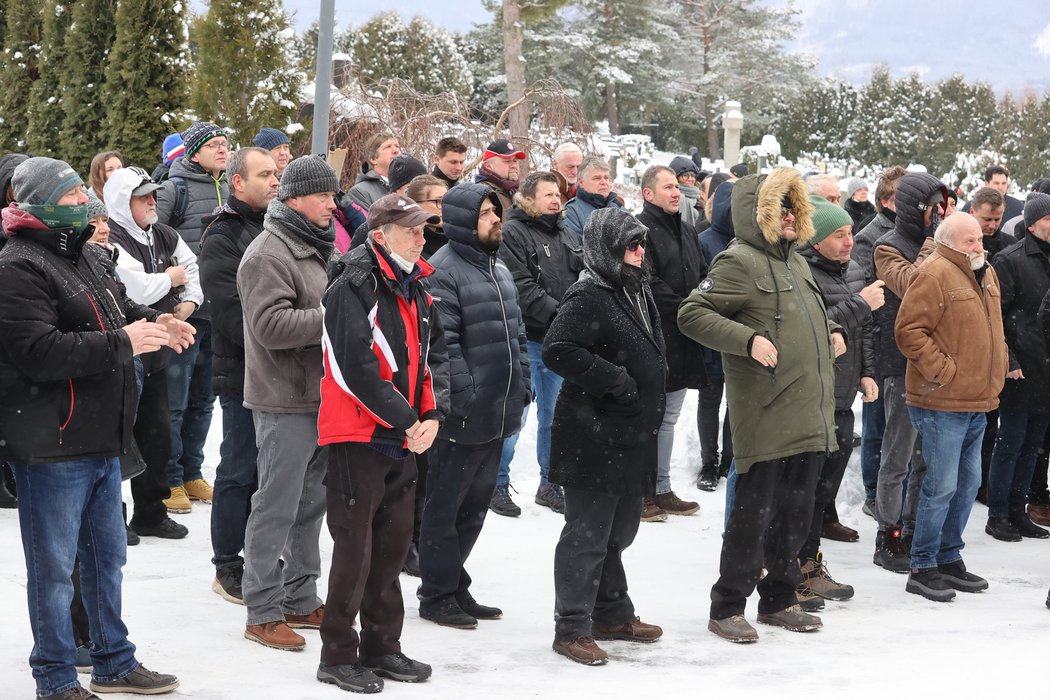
x,y
950,327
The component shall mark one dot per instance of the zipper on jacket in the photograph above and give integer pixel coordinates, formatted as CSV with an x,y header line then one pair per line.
x,y
816,344
506,332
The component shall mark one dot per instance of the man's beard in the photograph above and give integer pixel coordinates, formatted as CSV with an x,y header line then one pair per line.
x,y
149,218
977,260
490,244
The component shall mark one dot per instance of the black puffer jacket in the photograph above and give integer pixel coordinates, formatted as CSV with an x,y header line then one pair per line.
x,y
858,211
609,410
840,283
225,239
488,359
545,259
678,265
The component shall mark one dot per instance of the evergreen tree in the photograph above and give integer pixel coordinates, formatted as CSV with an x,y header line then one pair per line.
x,y
246,75
817,121
89,39
45,97
1032,159
962,116
145,90
19,68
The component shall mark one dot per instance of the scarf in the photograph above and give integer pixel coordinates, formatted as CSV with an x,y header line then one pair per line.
x,y
282,215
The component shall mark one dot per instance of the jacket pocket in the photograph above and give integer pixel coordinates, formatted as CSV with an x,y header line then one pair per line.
x,y
765,283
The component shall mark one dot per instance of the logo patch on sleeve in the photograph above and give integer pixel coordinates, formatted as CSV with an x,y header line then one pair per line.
x,y
706,285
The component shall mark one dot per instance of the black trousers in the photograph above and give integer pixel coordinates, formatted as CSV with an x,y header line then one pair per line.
x,y
460,482
422,468
708,426
590,585
828,483
153,435
777,496
369,498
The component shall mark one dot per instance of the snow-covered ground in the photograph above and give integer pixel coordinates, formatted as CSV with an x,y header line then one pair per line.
x,y
883,641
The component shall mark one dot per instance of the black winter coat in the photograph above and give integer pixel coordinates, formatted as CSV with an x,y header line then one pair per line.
x,y
998,241
223,244
678,266
858,211
1024,280
474,293
840,283
545,259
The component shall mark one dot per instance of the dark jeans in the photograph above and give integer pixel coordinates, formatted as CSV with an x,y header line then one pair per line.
x,y
590,585
190,404
772,512
1039,493
369,499
153,436
1020,436
236,479
459,488
707,425
873,424
988,445
830,478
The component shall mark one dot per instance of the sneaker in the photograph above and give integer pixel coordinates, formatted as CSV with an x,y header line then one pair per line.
x,y
652,513
501,503
707,480
674,505
734,629
839,533
582,650
818,580
1026,528
276,635
960,579
633,631
178,501
447,613
792,618
1039,513
309,621
411,566
475,609
807,599
227,583
551,496
869,508
930,584
350,677
83,663
397,667
141,681
892,551
166,529
1002,529
198,490
77,693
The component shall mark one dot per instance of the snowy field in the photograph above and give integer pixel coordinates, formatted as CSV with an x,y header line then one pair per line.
x,y
884,640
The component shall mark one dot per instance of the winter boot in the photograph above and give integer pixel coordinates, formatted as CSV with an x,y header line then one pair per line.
x,y
1025,527
733,629
807,599
501,503
1002,529
674,505
816,577
960,579
582,650
930,584
178,501
707,480
894,554
198,490
652,513
793,619
551,496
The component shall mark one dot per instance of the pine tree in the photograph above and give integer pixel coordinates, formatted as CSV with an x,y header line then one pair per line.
x,y
45,98
19,68
145,90
89,39
246,74
817,121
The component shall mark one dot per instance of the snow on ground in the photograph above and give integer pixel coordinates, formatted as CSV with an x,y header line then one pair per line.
x,y
883,640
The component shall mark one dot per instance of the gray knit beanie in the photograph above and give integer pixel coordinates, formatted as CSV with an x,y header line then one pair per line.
x,y
96,207
857,183
307,175
1035,207
43,180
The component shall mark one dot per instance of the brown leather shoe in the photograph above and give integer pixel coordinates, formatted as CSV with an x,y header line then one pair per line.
x,y
582,650
306,622
1039,513
633,631
652,513
276,635
674,505
839,532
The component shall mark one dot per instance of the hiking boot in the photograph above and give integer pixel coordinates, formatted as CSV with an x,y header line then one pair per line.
x,y
309,621
276,635
475,609
818,580
956,575
198,490
582,650
930,584
141,681
447,613
397,667
501,503
869,508
839,533
733,629
166,529
1039,513
633,631
551,496
792,618
178,501
1002,529
411,566
78,693
807,599
227,583
1026,528
350,677
892,551
707,480
674,505
652,513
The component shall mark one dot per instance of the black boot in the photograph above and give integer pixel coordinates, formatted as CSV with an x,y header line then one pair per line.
x,y
133,537
8,499
1002,529
1026,528
411,566
708,478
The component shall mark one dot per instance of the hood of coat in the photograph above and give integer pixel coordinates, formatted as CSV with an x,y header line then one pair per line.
x,y
117,191
459,212
526,210
913,192
188,170
605,239
722,211
756,204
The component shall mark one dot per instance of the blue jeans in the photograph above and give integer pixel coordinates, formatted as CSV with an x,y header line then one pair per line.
x,y
730,492
65,510
190,403
1016,449
873,424
951,448
545,387
236,479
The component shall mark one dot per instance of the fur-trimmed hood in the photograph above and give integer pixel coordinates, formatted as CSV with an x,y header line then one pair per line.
x,y
756,204
527,206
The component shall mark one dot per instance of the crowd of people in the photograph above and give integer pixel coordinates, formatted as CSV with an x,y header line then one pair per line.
x,y
375,353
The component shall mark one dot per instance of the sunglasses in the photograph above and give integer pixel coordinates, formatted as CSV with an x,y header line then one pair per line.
x,y
634,245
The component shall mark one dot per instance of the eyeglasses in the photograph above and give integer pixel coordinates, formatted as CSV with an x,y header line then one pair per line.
x,y
437,200
786,211
634,245
217,145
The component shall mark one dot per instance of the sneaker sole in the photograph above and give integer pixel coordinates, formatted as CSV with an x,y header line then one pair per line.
x,y
656,519
688,511
302,625
283,647
226,596
735,639
812,627
326,677
180,511
133,690
200,500
936,596
399,677
84,669
838,597
582,662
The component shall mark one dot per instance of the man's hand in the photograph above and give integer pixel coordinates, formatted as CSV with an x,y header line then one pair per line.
x,y
421,436
869,389
839,342
1015,374
145,336
179,333
873,295
764,352
184,309
177,273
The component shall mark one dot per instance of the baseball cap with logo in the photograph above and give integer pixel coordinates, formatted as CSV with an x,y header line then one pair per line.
x,y
398,209
146,182
502,149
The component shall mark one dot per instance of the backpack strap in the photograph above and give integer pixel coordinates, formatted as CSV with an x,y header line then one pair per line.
x,y
182,198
